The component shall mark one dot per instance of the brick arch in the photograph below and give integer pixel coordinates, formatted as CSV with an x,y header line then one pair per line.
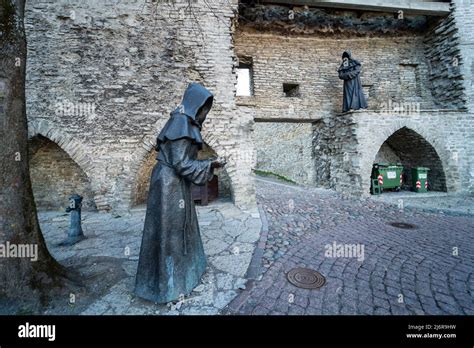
x,y
76,150
73,148
434,141
142,157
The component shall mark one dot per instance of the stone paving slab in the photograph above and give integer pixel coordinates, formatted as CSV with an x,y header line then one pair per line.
x,y
229,236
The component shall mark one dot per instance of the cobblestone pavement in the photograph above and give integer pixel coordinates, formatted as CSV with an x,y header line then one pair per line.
x,y
441,202
229,236
425,270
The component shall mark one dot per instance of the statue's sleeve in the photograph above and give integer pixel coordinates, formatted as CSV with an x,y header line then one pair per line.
x,y
196,171
349,74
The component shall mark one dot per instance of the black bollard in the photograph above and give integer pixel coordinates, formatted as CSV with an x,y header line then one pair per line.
x,y
75,234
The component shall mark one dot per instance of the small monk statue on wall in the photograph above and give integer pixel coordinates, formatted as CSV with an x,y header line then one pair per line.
x,y
349,71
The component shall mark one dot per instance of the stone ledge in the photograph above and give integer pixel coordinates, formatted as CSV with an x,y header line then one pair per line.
x,y
437,111
430,8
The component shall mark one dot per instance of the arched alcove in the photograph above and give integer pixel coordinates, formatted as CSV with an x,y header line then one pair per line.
x,y
55,176
412,150
140,191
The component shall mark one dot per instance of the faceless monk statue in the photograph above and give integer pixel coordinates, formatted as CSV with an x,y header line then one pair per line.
x,y
349,71
172,258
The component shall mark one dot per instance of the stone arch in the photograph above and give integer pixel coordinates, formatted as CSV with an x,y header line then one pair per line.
x,y
415,145
126,182
55,176
76,150
73,150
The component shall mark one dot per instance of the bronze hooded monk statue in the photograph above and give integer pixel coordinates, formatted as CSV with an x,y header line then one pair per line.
x,y
172,258
349,71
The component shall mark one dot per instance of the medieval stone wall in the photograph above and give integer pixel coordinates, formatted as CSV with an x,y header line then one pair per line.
x,y
393,70
443,53
395,74
387,154
408,75
464,13
104,76
296,138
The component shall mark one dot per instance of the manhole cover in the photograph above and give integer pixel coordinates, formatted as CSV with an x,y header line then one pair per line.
x,y
403,225
305,278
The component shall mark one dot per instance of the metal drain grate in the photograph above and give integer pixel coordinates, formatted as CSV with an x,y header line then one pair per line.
x,y
305,278
404,225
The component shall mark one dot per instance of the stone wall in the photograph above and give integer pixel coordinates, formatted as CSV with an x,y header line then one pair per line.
x,y
397,78
394,70
295,139
443,52
55,176
464,13
102,78
408,74
105,75
387,154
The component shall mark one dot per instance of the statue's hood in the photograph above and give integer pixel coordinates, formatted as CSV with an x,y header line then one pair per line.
x,y
352,61
182,123
347,54
194,98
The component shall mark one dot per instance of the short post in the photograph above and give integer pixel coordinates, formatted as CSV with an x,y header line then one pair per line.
x,y
75,234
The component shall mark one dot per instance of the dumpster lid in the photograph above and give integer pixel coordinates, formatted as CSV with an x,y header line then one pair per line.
x,y
421,168
395,164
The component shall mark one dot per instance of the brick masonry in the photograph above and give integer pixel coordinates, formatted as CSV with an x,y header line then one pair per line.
x,y
55,176
417,85
102,78
444,138
297,164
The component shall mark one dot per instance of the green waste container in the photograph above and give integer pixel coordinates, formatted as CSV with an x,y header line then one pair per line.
x,y
389,175
419,177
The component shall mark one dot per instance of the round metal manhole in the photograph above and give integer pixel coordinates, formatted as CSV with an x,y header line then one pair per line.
x,y
404,225
306,278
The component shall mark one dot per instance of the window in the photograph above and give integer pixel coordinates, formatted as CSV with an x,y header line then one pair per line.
x,y
245,77
291,89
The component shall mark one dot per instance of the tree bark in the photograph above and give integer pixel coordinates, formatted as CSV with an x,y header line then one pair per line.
x,y
21,279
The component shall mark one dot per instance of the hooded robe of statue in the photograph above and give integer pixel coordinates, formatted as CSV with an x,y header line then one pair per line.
x,y
172,258
354,97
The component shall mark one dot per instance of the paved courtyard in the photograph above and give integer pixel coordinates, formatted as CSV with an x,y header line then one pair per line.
x,y
427,269
112,248
424,270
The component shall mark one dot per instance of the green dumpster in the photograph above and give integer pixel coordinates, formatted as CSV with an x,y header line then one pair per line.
x,y
419,177
389,175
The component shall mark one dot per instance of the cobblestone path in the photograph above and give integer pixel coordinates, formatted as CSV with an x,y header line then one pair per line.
x,y
424,270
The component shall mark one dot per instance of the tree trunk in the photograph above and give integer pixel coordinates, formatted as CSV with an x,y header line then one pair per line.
x,y
21,278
